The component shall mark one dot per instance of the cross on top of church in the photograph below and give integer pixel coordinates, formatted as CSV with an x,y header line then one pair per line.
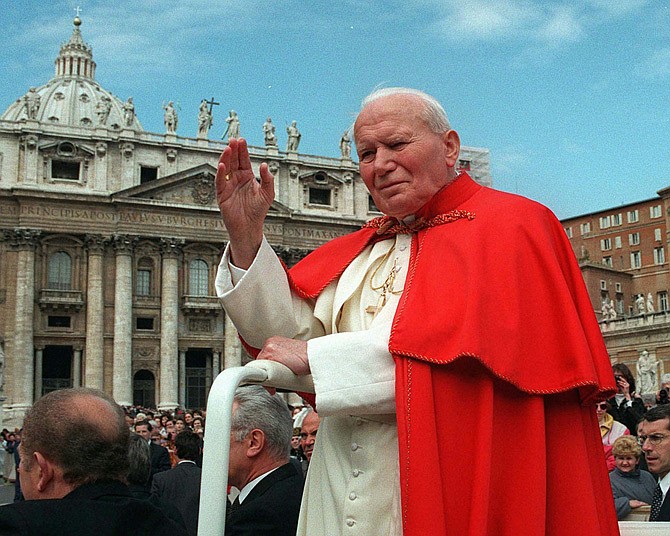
x,y
77,10
212,104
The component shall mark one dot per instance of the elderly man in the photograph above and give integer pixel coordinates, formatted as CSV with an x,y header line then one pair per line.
x,y
457,327
653,434
74,462
270,486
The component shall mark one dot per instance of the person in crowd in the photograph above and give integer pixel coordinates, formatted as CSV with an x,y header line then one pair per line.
x,y
394,322
610,431
74,465
160,458
296,451
270,486
188,419
179,425
653,434
626,406
631,486
181,485
139,473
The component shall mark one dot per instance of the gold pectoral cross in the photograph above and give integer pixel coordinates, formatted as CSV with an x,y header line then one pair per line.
x,y
386,288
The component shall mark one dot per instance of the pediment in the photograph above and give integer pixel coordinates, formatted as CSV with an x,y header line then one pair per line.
x,y
194,186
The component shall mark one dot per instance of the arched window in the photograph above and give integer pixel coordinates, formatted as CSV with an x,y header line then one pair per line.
x,y
198,278
60,271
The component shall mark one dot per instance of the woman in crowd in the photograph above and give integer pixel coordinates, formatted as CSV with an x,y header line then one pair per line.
x,y
610,430
631,486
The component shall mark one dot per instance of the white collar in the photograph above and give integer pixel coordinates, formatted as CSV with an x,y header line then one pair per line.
x,y
244,492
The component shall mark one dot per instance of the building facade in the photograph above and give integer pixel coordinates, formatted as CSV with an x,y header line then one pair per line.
x,y
112,236
623,252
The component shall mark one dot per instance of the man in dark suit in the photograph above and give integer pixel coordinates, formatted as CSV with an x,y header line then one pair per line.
x,y
270,486
160,457
73,466
180,486
653,433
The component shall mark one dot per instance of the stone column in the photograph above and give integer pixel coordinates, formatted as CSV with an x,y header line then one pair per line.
x,y
39,359
169,380
31,159
20,354
122,383
182,378
76,368
232,348
94,364
216,364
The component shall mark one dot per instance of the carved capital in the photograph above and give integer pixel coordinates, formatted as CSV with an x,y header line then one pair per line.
x,y
101,149
289,255
30,142
348,177
273,167
124,244
171,247
293,171
96,243
202,190
22,238
171,155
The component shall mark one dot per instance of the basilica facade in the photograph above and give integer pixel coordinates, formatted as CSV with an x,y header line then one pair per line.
x,y
111,239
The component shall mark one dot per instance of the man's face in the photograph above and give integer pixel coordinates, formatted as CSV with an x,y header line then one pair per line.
x,y
179,426
295,442
403,162
308,434
626,464
657,456
143,430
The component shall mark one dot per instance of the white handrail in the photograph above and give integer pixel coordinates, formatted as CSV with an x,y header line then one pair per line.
x,y
214,483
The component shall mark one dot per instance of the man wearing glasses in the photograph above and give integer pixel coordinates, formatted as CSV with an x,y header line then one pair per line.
x,y
653,434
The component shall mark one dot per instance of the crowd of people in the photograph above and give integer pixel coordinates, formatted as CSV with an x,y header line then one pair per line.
x,y
635,457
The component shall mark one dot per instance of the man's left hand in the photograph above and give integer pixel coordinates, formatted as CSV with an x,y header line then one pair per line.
x,y
289,352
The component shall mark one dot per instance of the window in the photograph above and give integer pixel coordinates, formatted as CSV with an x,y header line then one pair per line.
x,y
568,231
464,165
607,261
143,283
65,169
617,287
144,323
619,306
148,173
655,211
633,216
635,259
319,196
616,219
605,244
371,205
58,321
663,300
657,235
634,239
617,242
198,282
60,271
659,255
604,222
585,228
603,284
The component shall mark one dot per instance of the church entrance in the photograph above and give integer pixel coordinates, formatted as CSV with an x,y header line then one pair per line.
x,y
144,389
56,368
198,377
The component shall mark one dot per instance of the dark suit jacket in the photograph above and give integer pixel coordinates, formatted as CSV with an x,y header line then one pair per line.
x,y
180,487
664,514
99,509
160,458
272,507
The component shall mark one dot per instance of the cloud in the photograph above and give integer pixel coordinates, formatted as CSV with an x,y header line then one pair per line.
x,y
656,67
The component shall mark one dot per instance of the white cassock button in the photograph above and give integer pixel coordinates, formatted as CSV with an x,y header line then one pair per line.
x,y
356,472
354,446
352,496
350,522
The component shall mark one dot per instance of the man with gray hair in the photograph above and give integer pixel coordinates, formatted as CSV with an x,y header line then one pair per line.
x,y
74,463
442,336
270,486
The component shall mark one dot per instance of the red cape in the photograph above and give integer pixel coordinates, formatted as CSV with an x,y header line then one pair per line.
x,y
499,358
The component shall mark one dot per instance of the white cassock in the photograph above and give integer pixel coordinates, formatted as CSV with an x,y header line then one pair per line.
x,y
352,485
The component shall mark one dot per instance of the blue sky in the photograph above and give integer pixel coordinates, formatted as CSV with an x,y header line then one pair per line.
x,y
572,97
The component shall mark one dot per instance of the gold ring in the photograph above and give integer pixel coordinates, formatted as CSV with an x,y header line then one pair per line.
x,y
228,176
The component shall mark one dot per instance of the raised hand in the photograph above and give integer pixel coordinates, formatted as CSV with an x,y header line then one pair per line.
x,y
243,201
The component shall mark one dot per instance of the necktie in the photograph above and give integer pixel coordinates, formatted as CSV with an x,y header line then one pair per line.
x,y
656,503
233,506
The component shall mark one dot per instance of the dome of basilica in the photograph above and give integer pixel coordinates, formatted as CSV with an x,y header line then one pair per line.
x,y
73,97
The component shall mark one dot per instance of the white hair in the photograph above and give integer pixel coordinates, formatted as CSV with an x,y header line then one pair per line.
x,y
433,113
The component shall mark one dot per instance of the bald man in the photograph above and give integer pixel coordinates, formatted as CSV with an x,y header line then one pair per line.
x,y
74,461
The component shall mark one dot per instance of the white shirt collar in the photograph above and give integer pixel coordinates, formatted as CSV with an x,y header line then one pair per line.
x,y
244,492
665,484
